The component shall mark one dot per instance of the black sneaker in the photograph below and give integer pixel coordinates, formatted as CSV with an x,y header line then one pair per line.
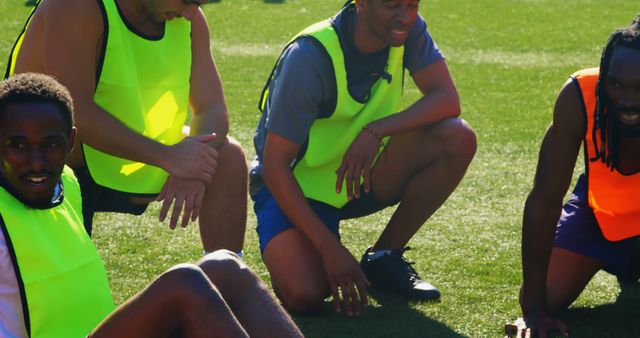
x,y
393,273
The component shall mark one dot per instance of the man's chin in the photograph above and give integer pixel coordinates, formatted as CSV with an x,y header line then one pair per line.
x,y
36,203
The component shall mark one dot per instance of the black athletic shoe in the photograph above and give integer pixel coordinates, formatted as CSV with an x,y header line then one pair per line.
x,y
393,273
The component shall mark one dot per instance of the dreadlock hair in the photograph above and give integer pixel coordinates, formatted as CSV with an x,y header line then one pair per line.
x,y
608,151
37,88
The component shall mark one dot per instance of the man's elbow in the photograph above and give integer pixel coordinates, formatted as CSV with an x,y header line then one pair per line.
x,y
453,103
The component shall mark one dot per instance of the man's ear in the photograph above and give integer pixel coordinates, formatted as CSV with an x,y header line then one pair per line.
x,y
71,139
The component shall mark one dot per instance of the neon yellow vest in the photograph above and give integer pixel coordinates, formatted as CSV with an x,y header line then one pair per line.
x,y
330,137
144,83
63,282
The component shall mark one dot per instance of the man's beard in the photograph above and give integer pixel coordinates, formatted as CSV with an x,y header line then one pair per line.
x,y
44,203
621,129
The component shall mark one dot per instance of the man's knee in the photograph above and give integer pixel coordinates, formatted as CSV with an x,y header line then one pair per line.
x,y
185,284
231,155
225,268
303,298
458,138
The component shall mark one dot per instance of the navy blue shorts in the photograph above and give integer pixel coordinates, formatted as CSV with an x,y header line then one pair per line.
x,y
579,232
96,198
272,220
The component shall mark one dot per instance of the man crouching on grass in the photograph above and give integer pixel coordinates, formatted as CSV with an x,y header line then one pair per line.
x,y
599,227
53,280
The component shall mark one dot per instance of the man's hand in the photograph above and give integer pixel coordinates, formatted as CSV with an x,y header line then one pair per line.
x,y
348,282
187,195
192,158
539,325
356,163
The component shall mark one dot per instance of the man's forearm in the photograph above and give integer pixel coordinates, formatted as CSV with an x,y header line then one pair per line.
x,y
428,110
102,131
538,234
214,120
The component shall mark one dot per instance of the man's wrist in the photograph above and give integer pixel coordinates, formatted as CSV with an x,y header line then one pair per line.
x,y
375,134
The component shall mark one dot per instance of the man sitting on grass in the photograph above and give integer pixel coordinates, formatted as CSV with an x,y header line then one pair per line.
x,y
53,280
599,227
334,143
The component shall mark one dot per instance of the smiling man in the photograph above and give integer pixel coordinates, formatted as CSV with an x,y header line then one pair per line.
x,y
598,227
135,69
334,143
52,278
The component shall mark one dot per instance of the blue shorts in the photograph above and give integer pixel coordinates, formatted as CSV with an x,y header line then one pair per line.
x,y
272,220
579,232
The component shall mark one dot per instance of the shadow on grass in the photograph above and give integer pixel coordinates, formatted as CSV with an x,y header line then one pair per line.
x,y
30,2
616,320
393,317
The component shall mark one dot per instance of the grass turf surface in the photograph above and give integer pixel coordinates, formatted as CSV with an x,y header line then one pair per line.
x,y
509,59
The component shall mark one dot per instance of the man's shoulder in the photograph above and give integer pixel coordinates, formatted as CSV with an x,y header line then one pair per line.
x,y
79,9
305,51
83,17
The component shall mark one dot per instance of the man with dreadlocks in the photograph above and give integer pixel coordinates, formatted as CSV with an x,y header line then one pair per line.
x,y
599,227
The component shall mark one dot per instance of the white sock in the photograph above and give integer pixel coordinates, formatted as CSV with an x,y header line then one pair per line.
x,y
373,255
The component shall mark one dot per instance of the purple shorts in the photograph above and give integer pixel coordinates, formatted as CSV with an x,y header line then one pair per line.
x,y
579,232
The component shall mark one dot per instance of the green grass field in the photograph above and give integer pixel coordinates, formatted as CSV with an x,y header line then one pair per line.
x,y
509,59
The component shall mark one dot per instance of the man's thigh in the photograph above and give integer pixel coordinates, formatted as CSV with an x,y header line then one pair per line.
x,y
408,153
578,231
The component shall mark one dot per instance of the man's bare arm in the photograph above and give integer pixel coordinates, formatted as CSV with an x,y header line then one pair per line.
x,y
557,159
439,101
72,38
340,266
206,94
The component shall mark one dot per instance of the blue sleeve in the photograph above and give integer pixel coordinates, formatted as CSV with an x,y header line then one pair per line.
x,y
420,50
300,84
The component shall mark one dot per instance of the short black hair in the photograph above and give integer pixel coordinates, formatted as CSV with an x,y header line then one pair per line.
x,y
37,88
608,151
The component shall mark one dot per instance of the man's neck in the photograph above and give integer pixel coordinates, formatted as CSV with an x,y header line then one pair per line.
x,y
135,14
629,155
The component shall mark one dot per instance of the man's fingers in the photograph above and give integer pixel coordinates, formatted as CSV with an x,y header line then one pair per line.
x,y
188,208
197,204
367,178
353,299
166,204
340,179
204,137
335,293
510,330
349,183
175,214
563,328
356,181
362,292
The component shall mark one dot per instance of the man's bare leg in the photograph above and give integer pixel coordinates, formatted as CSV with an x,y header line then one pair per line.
x,y
421,169
223,216
248,297
182,302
